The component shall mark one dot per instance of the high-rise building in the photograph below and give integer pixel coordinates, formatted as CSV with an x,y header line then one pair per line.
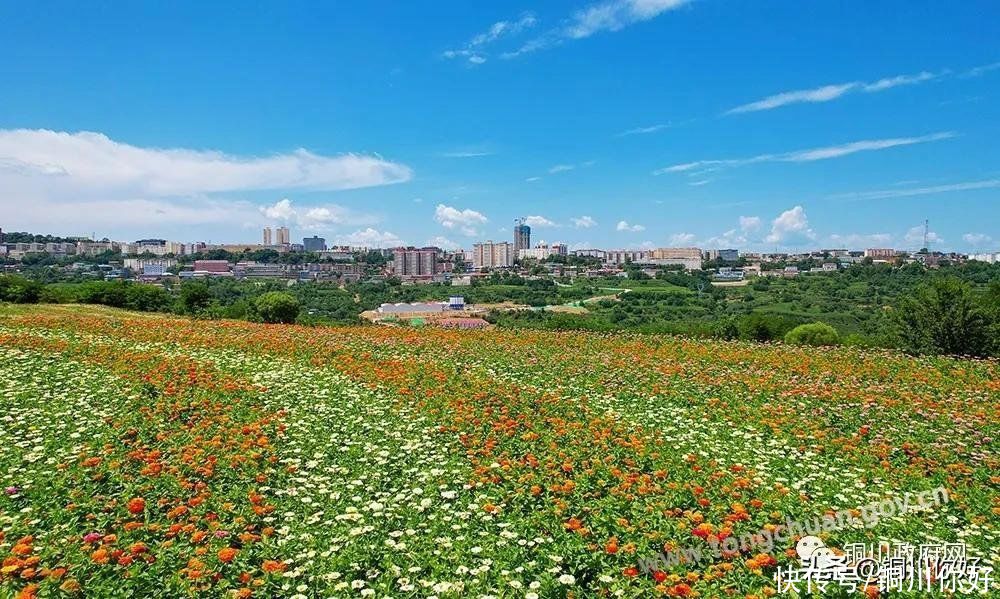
x,y
493,255
522,236
283,237
314,244
413,262
880,253
267,235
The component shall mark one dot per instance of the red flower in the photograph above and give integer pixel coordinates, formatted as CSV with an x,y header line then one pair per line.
x,y
136,505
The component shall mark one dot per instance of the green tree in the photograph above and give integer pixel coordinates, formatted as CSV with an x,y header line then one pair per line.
x,y
195,297
277,307
814,333
941,317
19,290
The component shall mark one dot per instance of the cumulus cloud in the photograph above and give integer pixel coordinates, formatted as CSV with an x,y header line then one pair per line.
x,y
466,221
371,238
915,236
732,238
679,239
85,182
749,223
442,242
824,153
314,218
584,222
977,239
624,226
538,221
791,227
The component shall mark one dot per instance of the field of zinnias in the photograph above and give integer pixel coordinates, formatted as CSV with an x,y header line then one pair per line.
x,y
151,456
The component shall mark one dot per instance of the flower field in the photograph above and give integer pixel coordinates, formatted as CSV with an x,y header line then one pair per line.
x,y
151,456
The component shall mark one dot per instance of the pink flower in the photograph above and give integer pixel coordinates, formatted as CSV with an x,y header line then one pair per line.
x,y
92,537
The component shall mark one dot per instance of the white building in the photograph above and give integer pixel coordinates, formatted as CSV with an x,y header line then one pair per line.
x,y
492,255
991,258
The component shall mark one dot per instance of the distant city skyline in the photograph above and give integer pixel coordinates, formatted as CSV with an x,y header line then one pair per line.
x,y
603,123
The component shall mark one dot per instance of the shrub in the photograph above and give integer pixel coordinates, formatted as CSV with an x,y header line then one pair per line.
x,y
19,290
815,333
277,307
758,326
943,318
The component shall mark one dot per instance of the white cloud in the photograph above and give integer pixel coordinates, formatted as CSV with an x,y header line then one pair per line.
x,y
644,130
860,240
827,93
681,239
561,168
977,239
791,228
891,82
612,15
370,238
538,221
466,154
466,221
916,191
730,239
282,210
915,236
819,94
476,49
584,222
700,182
531,179
314,218
749,223
616,15
443,243
85,164
810,155
624,226
130,217
982,70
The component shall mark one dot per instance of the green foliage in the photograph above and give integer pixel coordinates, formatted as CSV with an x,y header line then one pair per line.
x,y
759,326
814,333
19,290
195,297
277,307
942,317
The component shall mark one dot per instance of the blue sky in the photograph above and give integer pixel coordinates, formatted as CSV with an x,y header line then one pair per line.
x,y
622,123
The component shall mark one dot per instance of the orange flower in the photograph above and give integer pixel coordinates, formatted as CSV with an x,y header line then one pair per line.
x,y
273,566
136,505
227,555
612,546
70,586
